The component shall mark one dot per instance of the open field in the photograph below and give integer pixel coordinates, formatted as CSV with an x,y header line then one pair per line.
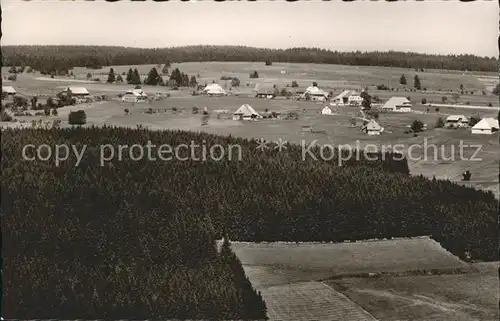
x,y
311,301
472,296
356,257
289,276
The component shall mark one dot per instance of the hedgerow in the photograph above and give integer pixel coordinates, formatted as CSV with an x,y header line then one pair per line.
x,y
136,239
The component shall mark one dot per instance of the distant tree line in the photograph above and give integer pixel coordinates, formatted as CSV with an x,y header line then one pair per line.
x,y
52,59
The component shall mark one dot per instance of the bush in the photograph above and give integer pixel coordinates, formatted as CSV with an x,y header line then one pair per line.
x,y
235,82
12,78
226,78
5,117
417,126
54,112
382,87
295,84
194,110
254,74
474,120
436,109
47,111
439,122
77,117
424,101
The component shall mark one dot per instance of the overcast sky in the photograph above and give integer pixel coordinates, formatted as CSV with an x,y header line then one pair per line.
x,y
429,27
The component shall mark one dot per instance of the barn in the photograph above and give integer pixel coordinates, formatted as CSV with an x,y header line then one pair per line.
x,y
246,112
398,104
8,91
486,126
214,90
77,91
456,121
372,128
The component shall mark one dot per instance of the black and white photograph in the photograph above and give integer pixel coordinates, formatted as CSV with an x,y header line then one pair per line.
x,y
250,160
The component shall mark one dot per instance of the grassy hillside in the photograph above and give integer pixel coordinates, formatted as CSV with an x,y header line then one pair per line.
x,y
136,239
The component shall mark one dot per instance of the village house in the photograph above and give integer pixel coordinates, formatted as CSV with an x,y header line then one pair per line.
x,y
134,95
456,121
341,99
8,91
372,128
79,92
397,104
246,112
315,94
326,111
214,90
486,126
354,99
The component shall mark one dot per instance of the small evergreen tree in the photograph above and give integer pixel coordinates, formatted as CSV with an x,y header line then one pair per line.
x,y
417,126
416,83
439,122
295,84
193,82
111,76
119,79
402,80
130,76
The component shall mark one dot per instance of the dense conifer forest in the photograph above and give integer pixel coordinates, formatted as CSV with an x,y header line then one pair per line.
x,y
56,58
136,239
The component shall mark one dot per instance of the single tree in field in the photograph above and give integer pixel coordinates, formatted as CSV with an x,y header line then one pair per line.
x,y
119,79
295,84
417,126
130,76
367,100
402,80
235,82
254,74
269,62
111,76
424,101
193,82
153,77
462,89
439,122
416,83
136,77
89,75
315,84
444,99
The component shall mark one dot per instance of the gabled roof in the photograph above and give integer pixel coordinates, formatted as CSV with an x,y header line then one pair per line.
x,y
214,89
246,110
456,118
8,90
78,90
373,125
487,123
396,101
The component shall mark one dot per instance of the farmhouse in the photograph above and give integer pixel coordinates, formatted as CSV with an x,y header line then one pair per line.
x,y
354,99
134,95
315,94
486,126
326,111
8,91
341,99
214,90
264,91
372,128
77,91
397,104
456,121
246,112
